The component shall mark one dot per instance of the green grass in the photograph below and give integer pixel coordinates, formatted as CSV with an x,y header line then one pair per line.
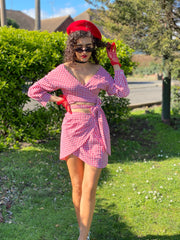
x,y
138,195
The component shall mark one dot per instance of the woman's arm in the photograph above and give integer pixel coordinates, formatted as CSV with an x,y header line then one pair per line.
x,y
119,85
41,90
116,67
54,98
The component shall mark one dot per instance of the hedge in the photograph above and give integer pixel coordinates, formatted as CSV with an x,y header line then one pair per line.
x,y
25,57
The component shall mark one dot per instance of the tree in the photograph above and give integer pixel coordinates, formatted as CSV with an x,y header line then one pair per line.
x,y
11,22
150,25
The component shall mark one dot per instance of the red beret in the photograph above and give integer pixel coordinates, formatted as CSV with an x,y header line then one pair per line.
x,y
86,26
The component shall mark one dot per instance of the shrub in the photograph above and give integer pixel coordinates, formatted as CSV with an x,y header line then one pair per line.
x,y
153,68
176,69
27,56
116,109
175,100
11,22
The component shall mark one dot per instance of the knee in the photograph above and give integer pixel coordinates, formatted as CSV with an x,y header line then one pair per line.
x,y
89,191
77,188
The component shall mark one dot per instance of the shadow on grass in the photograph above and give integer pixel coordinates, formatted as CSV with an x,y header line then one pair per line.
x,y
109,226
144,137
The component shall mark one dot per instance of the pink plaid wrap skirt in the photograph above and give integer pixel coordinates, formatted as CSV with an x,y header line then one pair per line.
x,y
86,135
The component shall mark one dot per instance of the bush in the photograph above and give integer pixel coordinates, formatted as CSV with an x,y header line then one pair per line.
x,y
153,68
176,69
175,100
27,56
116,110
11,22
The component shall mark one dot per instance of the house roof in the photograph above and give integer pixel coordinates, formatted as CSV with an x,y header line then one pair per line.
x,y
54,24
87,15
24,21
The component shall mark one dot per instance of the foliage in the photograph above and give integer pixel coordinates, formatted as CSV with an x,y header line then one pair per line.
x,y
11,22
138,192
147,65
175,100
116,107
27,56
156,32
134,21
176,69
33,125
148,70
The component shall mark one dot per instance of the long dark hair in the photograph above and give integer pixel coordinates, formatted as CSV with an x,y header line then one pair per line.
x,y
69,54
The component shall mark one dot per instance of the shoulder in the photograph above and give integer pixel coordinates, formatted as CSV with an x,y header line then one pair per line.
x,y
58,69
56,74
67,64
102,71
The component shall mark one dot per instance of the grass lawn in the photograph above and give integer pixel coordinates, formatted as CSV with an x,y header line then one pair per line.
x,y
138,196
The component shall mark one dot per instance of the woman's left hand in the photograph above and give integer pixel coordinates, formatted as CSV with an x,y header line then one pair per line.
x,y
111,52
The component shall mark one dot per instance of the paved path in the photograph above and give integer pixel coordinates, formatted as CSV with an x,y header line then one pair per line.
x,y
144,93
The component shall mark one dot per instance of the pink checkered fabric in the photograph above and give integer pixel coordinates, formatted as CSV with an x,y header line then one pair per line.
x,y
85,135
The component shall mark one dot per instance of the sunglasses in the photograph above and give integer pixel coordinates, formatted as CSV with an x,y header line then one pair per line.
x,y
80,49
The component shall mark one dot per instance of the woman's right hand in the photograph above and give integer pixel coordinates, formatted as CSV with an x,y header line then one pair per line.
x,y
62,100
55,98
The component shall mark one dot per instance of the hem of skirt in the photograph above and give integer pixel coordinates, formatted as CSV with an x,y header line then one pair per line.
x,y
65,159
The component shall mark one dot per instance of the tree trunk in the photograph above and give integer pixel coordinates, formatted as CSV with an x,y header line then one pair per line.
x,y
166,92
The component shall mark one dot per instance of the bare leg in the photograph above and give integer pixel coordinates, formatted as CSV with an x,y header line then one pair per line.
x,y
76,171
88,199
84,179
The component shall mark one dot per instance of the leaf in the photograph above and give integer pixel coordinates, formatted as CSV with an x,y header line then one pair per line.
x,y
1,218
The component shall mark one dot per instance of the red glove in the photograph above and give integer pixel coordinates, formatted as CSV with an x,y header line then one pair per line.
x,y
65,103
111,52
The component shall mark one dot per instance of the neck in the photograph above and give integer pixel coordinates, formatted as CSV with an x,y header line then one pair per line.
x,y
77,61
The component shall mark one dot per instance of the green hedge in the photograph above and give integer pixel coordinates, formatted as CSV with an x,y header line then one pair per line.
x,y
175,100
25,57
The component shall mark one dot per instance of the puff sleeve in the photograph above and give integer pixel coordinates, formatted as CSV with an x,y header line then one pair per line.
x,y
39,91
119,85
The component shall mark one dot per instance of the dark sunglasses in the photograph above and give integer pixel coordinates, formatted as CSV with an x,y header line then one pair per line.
x,y
80,49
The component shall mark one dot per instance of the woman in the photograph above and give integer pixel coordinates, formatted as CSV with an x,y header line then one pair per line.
x,y
85,139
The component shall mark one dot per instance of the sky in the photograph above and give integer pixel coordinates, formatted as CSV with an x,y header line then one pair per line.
x,y
49,8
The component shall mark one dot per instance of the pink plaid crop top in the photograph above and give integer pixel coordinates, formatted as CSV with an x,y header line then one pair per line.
x,y
60,78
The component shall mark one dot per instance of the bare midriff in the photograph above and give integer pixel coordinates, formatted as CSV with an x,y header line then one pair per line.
x,y
83,107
